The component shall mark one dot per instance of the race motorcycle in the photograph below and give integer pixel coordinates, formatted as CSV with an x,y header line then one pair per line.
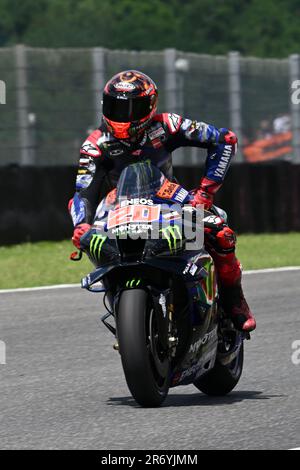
x,y
161,298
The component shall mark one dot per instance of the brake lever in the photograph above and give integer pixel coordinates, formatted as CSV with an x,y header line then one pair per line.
x,y
76,255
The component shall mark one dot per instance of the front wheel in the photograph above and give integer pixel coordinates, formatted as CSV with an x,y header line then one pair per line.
x,y
144,358
222,379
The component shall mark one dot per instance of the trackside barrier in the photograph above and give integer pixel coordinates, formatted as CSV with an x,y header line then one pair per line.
x,y
261,197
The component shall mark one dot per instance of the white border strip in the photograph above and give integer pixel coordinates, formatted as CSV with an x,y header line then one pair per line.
x,y
71,286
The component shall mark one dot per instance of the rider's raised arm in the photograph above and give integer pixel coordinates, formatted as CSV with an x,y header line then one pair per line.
x,y
90,178
221,145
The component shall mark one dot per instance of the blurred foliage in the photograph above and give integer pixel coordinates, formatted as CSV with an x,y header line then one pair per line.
x,y
268,28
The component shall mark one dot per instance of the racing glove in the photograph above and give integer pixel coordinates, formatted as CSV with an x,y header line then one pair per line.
x,y
79,231
205,193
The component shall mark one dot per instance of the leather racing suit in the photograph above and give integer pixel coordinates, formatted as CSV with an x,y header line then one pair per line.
x,y
103,157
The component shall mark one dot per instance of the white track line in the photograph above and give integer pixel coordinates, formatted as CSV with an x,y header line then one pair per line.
x,y
29,289
70,286
296,448
272,270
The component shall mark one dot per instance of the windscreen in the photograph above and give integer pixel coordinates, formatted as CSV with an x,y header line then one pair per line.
x,y
140,180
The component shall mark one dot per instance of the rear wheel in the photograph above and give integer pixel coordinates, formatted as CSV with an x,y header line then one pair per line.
x,y
222,379
144,357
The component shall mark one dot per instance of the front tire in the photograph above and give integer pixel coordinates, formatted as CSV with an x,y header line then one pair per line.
x,y
145,362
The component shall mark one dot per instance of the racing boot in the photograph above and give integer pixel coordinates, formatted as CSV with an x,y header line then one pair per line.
x,y
231,292
236,307
220,243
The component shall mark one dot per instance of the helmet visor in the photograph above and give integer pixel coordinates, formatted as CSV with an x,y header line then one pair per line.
x,y
126,110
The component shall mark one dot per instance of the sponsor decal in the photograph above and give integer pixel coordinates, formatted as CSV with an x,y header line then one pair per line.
x,y
149,90
174,122
197,369
83,181
134,201
156,133
116,152
173,236
194,269
133,213
202,341
213,219
131,229
190,268
99,224
136,153
167,190
84,161
126,86
85,281
174,215
111,197
224,162
85,173
77,210
90,149
191,371
133,283
96,244
181,196
143,141
157,143
162,302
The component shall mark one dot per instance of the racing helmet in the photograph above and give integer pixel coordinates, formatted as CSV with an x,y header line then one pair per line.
x,y
129,104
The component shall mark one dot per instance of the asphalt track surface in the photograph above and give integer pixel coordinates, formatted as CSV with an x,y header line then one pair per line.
x,y
63,387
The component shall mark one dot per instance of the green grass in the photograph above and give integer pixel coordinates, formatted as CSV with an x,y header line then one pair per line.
x,y
40,264
269,250
47,263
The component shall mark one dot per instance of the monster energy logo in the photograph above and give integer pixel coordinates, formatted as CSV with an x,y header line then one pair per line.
x,y
172,235
133,283
209,280
96,245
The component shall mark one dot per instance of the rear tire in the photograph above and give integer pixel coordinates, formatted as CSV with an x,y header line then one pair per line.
x,y
221,380
146,369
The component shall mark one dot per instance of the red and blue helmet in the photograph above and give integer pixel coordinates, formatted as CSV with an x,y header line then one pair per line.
x,y
129,104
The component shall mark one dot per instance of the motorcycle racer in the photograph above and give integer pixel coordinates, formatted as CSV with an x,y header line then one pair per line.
x,y
131,130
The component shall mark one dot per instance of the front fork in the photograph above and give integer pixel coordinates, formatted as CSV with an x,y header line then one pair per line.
x,y
163,304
